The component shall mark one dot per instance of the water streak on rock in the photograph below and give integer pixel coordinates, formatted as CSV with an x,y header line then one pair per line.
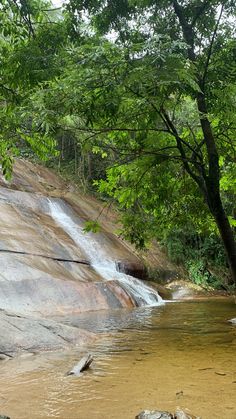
x,y
97,252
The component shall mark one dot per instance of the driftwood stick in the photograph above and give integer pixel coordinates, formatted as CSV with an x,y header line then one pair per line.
x,y
82,365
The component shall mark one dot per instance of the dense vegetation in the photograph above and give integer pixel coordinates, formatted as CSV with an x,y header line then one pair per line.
x,y
137,98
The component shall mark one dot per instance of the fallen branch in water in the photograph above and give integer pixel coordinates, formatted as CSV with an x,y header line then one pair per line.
x,y
82,365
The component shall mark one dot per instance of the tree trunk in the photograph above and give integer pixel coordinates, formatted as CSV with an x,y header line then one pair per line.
x,y
213,188
226,232
89,160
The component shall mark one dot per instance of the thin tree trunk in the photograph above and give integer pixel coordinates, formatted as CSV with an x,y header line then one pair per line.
x,y
89,167
213,188
225,230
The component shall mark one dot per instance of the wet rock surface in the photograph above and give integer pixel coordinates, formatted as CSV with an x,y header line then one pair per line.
x,y
33,285
21,333
136,269
44,272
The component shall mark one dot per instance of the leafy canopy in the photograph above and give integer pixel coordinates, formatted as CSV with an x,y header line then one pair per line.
x,y
132,97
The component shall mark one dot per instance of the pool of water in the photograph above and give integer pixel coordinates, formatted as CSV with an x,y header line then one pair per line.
x,y
178,355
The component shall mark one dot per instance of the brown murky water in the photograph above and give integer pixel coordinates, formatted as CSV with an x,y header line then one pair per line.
x,y
181,354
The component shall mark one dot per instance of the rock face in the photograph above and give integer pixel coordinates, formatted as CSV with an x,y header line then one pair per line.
x,y
43,271
136,269
25,333
33,285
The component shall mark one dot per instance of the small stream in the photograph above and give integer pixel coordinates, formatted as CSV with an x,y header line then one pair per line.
x,y
178,354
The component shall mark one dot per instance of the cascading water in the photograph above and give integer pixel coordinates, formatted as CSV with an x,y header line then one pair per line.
x,y
100,260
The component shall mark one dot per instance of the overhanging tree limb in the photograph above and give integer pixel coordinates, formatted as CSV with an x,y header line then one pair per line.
x,y
210,50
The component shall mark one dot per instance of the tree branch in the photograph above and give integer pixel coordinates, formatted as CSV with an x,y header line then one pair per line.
x,y
186,28
211,48
184,159
110,129
26,17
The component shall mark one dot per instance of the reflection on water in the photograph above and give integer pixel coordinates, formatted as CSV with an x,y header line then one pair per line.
x,y
180,354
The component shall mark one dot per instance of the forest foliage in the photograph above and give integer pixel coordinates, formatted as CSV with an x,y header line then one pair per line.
x,y
137,98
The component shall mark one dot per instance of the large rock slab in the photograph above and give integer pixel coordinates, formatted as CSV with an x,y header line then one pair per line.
x,y
45,271
35,285
19,333
42,269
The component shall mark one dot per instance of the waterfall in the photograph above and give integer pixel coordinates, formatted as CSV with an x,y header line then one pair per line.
x,y
99,258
